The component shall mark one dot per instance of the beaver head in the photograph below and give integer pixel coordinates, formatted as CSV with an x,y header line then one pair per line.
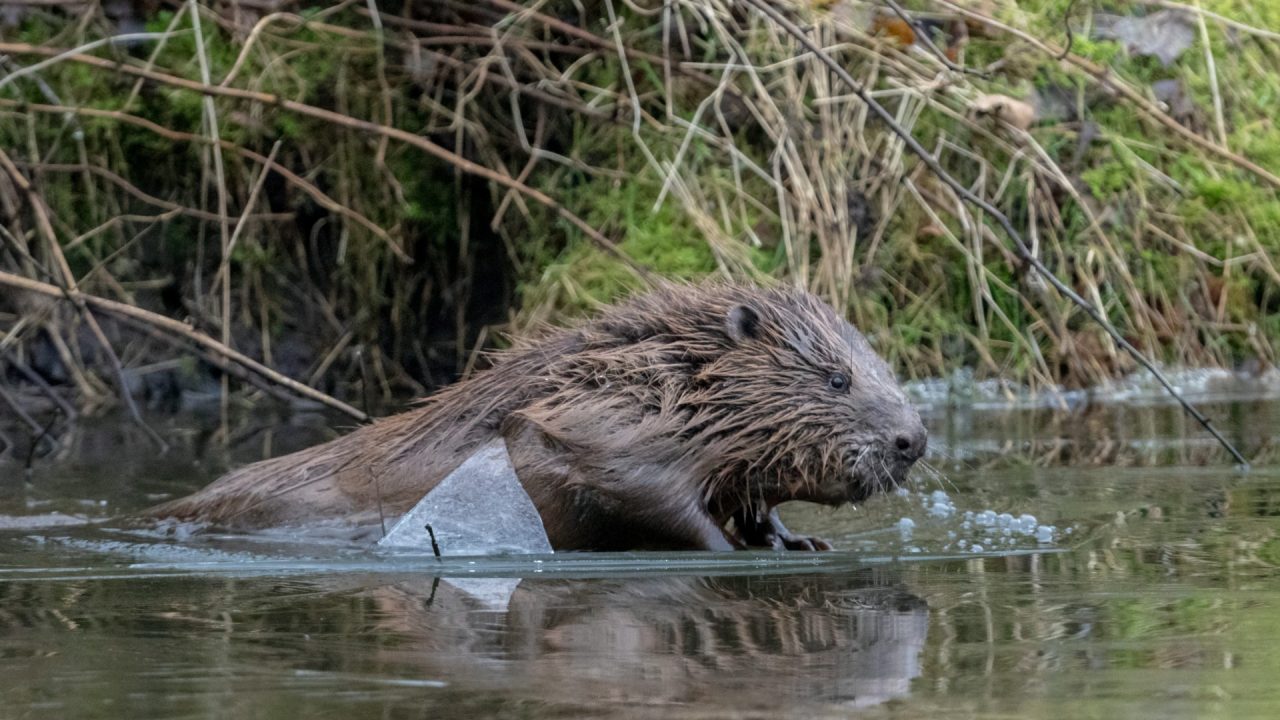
x,y
768,393
807,409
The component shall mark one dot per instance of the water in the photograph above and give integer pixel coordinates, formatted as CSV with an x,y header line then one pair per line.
x,y
1154,593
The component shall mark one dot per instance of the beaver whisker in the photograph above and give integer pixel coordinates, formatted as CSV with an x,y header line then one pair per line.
x,y
943,480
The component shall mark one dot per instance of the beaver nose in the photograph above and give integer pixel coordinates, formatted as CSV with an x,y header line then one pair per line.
x,y
911,444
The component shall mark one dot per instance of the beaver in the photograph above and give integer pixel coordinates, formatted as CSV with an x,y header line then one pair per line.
x,y
677,419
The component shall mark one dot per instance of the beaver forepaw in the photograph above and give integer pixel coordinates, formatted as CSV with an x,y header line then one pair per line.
x,y
800,542
767,531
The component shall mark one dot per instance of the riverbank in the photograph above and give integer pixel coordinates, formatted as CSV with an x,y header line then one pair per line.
x,y
367,203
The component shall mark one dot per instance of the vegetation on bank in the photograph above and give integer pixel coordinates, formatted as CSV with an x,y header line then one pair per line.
x,y
693,137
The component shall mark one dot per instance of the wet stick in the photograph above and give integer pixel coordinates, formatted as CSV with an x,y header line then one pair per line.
x,y
1020,245
35,379
18,410
29,467
435,546
175,331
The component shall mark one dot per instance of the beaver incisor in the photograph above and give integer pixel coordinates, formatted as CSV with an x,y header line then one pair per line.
x,y
653,425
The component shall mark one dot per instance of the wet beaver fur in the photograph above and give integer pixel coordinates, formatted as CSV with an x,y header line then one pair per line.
x,y
678,419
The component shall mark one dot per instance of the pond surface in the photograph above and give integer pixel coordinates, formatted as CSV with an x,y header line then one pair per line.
x,y
1156,595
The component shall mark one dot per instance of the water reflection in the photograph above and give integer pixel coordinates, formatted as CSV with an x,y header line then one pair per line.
x,y
622,644
1148,435
1162,603
767,641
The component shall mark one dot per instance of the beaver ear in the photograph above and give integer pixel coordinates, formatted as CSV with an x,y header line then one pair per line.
x,y
743,323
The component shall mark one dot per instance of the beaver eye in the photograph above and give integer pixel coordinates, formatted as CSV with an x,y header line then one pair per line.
x,y
838,381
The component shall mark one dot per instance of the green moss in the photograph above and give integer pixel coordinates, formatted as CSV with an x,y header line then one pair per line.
x,y
1219,193
663,241
1103,52
1108,179
1262,145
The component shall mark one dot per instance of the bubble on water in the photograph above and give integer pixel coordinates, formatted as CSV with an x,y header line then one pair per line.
x,y
940,505
956,530
1026,524
905,526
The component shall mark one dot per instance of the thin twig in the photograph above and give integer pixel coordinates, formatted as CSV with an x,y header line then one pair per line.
x,y
771,12
18,410
34,378
67,285
336,118
922,33
1211,69
63,55
1066,24
225,265
137,192
289,176
224,220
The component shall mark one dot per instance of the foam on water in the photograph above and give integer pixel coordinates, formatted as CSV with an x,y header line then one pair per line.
x,y
970,531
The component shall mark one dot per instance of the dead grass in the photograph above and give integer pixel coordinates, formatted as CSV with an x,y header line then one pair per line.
x,y
386,184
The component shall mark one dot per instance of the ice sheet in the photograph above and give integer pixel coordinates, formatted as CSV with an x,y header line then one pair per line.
x,y
479,509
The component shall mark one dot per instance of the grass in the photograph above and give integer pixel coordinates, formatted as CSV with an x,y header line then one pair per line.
x,y
1176,245
750,164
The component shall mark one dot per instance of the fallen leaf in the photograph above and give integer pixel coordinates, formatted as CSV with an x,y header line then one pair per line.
x,y
893,27
1165,34
1015,112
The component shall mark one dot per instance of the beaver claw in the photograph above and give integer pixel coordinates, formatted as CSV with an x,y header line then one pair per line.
x,y
799,542
767,531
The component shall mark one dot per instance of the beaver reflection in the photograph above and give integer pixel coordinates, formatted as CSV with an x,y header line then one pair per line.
x,y
757,642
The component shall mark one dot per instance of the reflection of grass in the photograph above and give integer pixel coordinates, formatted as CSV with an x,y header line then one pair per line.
x,y
1176,601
